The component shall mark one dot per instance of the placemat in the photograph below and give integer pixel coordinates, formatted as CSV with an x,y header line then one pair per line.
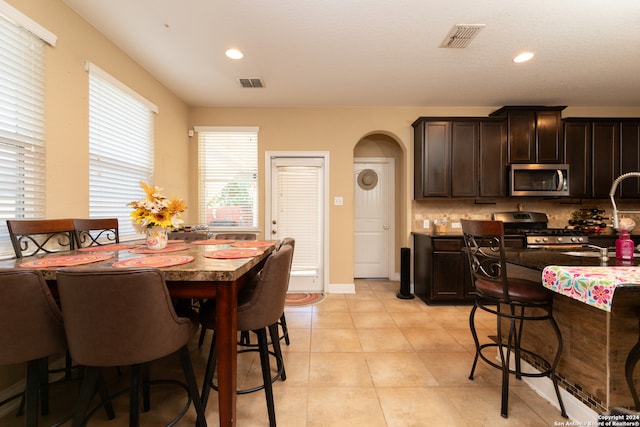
x,y
168,249
155,261
172,241
252,244
66,260
212,242
233,253
108,248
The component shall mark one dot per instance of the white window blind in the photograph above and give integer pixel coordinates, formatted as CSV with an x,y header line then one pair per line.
x,y
120,149
22,112
299,197
228,169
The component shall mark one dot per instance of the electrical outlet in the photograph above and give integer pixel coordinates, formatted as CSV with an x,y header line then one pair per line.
x,y
456,225
425,223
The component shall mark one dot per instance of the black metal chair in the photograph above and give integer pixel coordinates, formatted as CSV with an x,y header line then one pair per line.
x,y
257,312
33,236
513,301
96,231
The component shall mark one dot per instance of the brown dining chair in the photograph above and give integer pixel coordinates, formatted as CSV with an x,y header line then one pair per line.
x,y
257,312
33,236
189,236
31,330
236,236
514,302
290,241
96,231
124,317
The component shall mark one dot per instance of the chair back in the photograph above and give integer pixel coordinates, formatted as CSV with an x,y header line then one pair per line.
x,y
119,317
30,321
96,231
484,243
266,304
236,236
32,236
189,236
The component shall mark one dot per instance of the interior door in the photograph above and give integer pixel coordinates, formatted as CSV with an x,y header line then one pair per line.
x,y
297,210
373,218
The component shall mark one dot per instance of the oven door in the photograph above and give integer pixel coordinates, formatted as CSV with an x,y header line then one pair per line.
x,y
539,180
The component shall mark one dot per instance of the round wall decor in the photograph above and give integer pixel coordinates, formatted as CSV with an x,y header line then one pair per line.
x,y
367,179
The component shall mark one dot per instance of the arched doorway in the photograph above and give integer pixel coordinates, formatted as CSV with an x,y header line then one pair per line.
x,y
379,164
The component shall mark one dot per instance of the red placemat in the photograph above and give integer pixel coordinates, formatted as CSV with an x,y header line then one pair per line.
x,y
155,261
212,242
107,248
233,253
172,241
66,260
168,249
252,244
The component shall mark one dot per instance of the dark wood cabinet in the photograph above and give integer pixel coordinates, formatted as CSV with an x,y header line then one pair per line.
x,y
449,160
629,158
534,134
577,154
493,158
441,269
605,165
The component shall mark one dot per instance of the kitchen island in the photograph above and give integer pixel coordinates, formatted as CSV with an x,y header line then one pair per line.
x,y
596,342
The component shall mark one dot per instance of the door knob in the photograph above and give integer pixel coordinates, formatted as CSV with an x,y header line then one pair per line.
x,y
386,226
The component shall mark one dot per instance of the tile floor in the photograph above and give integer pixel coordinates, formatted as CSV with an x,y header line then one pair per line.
x,y
364,359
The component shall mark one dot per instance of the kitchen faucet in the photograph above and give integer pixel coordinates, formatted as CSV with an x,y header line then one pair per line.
x,y
616,224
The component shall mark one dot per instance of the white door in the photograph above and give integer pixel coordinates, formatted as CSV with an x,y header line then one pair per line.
x,y
297,209
373,223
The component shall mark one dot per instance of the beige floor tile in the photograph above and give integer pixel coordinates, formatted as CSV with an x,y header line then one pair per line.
x,y
335,340
432,339
372,320
413,319
383,340
396,305
332,319
364,305
339,370
299,341
344,406
399,370
298,319
418,407
452,369
333,302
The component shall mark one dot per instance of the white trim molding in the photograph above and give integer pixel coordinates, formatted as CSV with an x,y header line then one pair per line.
x,y
22,20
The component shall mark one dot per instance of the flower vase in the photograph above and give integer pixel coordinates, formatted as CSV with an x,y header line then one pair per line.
x,y
157,237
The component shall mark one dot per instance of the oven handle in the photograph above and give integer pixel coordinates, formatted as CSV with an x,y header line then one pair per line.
x,y
561,183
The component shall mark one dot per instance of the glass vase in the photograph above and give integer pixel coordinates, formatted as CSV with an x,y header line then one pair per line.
x,y
157,237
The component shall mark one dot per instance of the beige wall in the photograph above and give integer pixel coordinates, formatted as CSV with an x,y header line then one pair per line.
x,y
67,109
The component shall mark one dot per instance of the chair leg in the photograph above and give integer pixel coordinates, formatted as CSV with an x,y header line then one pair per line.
x,y
266,374
146,395
87,391
472,326
32,391
273,332
203,331
208,373
43,369
556,360
187,368
285,331
134,396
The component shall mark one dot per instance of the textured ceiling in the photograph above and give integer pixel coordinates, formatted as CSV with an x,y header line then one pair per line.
x,y
381,52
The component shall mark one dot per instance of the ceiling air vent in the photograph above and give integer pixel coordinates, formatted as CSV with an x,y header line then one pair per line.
x,y
461,35
256,82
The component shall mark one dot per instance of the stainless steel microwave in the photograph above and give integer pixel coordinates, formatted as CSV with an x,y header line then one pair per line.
x,y
549,180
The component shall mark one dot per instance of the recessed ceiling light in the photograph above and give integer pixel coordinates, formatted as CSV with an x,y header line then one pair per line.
x,y
523,57
234,54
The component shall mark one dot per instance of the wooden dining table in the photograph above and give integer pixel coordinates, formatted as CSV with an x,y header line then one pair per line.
x,y
201,277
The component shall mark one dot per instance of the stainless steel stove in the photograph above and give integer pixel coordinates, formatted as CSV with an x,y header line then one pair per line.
x,y
533,226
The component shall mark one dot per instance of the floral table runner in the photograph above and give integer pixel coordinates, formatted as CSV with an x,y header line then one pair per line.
x,y
591,285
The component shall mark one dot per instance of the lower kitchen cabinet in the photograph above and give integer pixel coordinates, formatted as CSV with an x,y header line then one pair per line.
x,y
441,269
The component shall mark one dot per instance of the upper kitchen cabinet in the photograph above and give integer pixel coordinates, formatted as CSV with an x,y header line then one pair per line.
x,y
534,133
446,157
493,158
630,157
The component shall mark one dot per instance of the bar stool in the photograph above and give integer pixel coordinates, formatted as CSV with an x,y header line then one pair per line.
x,y
513,301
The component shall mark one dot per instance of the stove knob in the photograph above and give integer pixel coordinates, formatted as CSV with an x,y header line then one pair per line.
x,y
560,239
545,239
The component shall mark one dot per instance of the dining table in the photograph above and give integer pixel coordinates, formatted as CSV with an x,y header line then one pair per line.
x,y
200,269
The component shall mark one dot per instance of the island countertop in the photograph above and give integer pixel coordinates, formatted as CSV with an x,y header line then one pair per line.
x,y
538,259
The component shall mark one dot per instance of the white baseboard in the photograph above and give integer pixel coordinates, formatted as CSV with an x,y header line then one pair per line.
x,y
341,288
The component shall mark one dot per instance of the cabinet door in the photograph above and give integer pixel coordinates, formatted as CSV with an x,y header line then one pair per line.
x,y
548,137
493,159
629,158
522,137
605,163
577,153
433,166
449,266
464,159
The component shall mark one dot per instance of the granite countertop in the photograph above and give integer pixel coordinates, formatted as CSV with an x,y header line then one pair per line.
x,y
538,259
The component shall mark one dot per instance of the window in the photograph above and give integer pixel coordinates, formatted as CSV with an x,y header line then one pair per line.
x,y
120,148
228,166
22,115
